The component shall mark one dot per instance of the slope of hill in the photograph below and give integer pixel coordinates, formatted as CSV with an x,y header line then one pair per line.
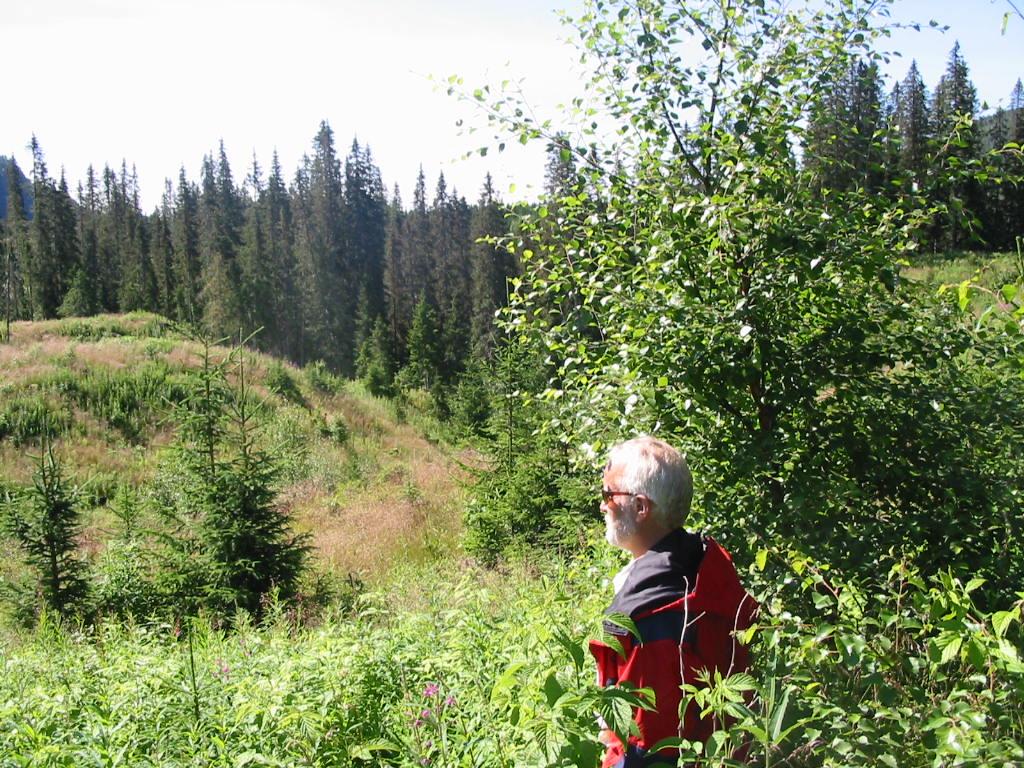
x,y
368,487
24,183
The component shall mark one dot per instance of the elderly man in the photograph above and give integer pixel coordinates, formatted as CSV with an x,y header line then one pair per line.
x,y
681,592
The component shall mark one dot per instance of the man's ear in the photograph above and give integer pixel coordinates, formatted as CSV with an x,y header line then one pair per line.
x,y
644,506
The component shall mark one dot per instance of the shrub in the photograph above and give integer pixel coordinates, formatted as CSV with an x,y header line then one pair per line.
x,y
281,382
29,416
322,379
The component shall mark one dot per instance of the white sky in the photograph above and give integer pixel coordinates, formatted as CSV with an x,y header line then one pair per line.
x,y
160,83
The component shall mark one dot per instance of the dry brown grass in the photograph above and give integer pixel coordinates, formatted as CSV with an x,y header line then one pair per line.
x,y
387,495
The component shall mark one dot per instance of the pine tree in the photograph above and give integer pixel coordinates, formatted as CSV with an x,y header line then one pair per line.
x,y
18,244
954,105
912,126
396,268
365,233
425,353
219,241
491,266
43,265
185,241
46,524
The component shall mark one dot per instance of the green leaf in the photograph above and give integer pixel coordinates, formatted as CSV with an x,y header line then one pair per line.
x,y
624,622
1009,292
1001,620
778,716
976,655
761,559
945,647
365,750
574,649
964,295
553,690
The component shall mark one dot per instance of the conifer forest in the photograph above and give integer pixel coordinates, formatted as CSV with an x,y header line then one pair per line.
x,y
300,470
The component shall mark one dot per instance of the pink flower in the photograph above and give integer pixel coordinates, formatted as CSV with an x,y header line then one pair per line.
x,y
431,690
449,701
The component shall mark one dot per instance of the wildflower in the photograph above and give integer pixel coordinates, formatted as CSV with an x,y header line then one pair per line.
x,y
425,714
431,690
449,701
223,670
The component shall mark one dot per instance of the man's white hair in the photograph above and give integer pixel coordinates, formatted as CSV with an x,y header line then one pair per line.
x,y
655,469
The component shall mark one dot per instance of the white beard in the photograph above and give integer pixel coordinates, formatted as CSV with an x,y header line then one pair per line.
x,y
619,531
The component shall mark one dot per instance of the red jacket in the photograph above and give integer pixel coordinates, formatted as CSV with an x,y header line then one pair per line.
x,y
674,619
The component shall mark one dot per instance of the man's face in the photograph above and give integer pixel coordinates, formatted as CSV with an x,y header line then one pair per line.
x,y
619,508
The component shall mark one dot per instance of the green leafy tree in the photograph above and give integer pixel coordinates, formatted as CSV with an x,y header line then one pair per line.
x,y
718,299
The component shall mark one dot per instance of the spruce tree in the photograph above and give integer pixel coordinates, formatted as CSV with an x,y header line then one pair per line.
x,y
185,242
491,266
246,534
424,350
912,126
219,239
396,270
46,523
365,231
954,105
18,244
287,309
43,265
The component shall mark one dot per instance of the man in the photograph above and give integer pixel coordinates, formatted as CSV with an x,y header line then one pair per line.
x,y
681,592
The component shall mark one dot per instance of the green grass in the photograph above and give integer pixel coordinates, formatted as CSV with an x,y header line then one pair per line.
x,y
992,269
288,694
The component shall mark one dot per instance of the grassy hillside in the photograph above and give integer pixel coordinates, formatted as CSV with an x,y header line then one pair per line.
x,y
104,386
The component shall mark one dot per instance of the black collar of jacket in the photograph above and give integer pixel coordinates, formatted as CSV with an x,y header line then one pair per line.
x,y
662,575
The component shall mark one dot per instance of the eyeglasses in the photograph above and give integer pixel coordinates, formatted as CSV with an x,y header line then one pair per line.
x,y
608,494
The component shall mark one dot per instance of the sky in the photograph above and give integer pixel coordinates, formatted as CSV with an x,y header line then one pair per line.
x,y
160,83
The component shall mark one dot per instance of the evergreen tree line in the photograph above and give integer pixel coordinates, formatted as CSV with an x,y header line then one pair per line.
x,y
895,144
330,266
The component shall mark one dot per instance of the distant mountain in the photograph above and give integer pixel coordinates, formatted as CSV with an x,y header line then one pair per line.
x,y
987,123
23,182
